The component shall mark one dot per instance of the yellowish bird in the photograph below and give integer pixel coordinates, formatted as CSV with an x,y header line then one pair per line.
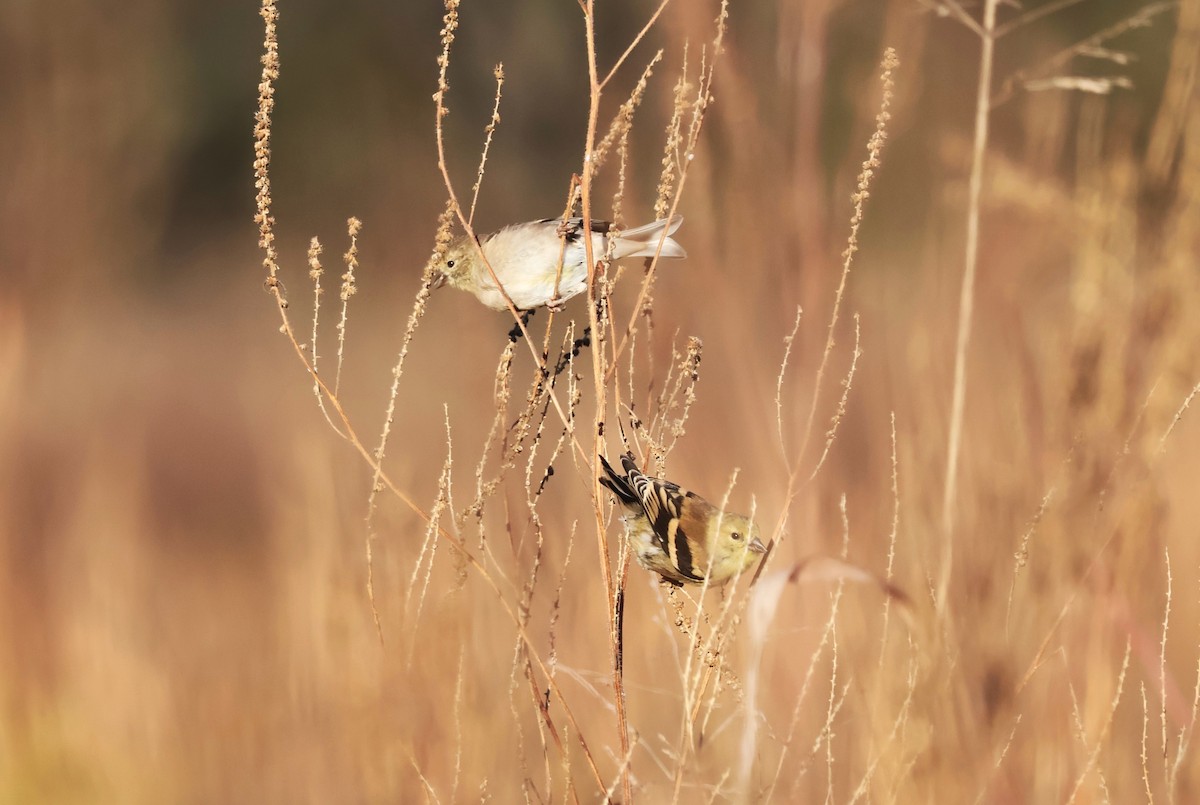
x,y
678,534
525,258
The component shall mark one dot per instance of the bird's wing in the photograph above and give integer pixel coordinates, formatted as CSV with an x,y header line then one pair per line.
x,y
675,514
573,227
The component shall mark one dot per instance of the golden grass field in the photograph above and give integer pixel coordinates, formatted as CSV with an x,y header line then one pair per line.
x,y
184,606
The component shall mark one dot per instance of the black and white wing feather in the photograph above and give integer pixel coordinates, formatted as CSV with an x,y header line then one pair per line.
x,y
678,518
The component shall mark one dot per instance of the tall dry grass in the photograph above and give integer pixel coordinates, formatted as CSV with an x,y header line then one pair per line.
x,y
211,595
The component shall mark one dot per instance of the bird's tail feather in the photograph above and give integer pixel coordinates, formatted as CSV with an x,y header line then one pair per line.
x,y
643,241
618,484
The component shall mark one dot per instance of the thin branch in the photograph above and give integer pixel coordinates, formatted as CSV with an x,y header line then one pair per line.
x,y
1162,443
613,596
488,131
636,41
951,8
1140,18
788,341
966,302
1032,16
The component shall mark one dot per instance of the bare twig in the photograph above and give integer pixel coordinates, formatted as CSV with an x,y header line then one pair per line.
x,y
966,301
488,131
1138,19
1031,16
636,41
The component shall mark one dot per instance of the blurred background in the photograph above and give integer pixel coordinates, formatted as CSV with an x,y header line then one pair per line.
x,y
183,614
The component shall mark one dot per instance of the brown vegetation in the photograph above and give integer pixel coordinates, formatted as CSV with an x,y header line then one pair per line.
x,y
215,588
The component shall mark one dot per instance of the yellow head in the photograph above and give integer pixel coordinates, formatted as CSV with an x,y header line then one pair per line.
x,y
458,265
734,544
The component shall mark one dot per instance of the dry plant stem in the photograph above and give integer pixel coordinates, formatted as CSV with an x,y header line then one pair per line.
x,y
1145,755
887,599
762,605
1040,655
826,637
701,106
636,41
966,301
710,651
618,131
613,596
430,793
636,310
513,684
1000,759
488,131
874,149
265,220
262,147
1076,714
439,97
832,707
717,792
832,710
1162,443
957,11
349,288
429,544
1185,733
458,731
840,411
545,724
457,544
1162,668
502,391
314,272
1143,16
377,465
783,365
1021,556
1095,754
1033,16
863,787
536,696
670,159
717,670
1170,125
1102,496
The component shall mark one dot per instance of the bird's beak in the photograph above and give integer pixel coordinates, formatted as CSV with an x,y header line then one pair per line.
x,y
756,546
439,279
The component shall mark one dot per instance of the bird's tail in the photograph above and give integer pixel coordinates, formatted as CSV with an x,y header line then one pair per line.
x,y
643,241
618,484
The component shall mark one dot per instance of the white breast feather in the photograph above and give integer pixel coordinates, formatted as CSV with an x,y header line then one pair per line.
x,y
525,259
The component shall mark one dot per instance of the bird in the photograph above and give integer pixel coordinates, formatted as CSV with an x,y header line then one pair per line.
x,y
678,534
525,258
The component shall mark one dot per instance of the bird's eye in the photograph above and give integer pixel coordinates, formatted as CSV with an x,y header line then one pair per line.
x,y
736,536
449,264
